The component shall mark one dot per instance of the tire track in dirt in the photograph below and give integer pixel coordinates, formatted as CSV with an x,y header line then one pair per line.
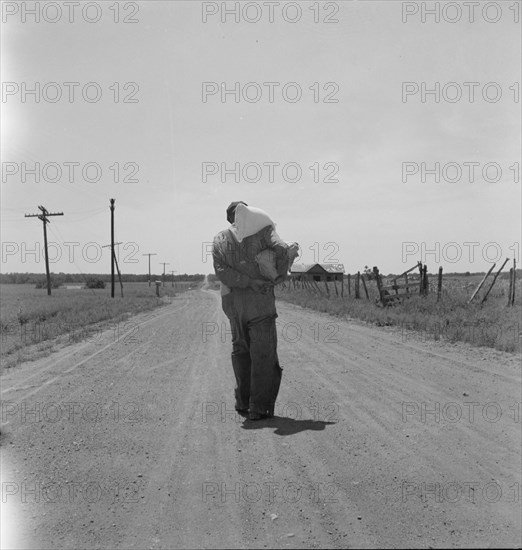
x,y
66,354
49,451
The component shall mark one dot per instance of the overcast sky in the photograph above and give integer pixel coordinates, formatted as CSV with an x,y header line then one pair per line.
x,y
362,127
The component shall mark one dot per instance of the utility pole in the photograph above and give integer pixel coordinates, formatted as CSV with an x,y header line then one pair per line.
x,y
112,201
114,261
43,216
163,278
173,277
149,255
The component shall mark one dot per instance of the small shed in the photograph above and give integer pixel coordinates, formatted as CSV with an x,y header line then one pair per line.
x,y
314,273
318,272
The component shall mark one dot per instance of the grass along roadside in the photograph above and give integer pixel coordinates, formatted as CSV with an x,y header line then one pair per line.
x,y
451,319
32,323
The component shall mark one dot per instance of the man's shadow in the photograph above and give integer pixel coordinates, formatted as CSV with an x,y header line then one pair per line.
x,y
284,425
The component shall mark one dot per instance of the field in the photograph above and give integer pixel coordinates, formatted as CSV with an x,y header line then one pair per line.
x,y
30,320
452,319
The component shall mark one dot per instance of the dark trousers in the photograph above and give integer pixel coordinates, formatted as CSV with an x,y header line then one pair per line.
x,y
256,366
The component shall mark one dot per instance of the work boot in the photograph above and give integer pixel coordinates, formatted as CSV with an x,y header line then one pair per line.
x,y
241,365
259,416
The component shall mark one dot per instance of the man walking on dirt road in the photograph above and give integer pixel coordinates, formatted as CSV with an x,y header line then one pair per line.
x,y
249,303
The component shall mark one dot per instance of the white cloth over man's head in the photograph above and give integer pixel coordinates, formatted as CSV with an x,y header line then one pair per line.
x,y
249,220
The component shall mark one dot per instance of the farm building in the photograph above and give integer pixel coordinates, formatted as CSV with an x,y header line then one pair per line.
x,y
317,272
308,275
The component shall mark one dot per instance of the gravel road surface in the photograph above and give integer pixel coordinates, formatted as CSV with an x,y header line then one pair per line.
x,y
130,440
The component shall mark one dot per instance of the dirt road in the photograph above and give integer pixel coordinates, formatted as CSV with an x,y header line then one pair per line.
x,y
131,441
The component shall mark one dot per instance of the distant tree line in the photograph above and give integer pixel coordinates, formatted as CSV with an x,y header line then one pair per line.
x,y
58,279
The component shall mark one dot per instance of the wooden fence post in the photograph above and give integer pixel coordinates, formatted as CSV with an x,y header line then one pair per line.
x,y
421,285
439,284
379,285
514,282
349,285
335,286
326,285
425,283
493,282
510,291
364,286
481,283
342,285
357,279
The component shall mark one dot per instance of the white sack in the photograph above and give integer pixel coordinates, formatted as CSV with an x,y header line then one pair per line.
x,y
249,220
